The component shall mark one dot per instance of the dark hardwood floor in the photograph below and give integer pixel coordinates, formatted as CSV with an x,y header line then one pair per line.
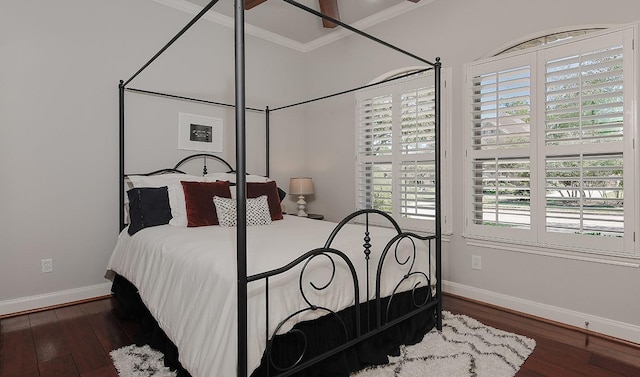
x,y
76,340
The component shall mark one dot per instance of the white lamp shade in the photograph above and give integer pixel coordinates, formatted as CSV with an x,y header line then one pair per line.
x,y
301,186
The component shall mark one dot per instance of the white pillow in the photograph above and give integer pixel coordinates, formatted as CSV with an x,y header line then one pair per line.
x,y
257,211
174,187
178,205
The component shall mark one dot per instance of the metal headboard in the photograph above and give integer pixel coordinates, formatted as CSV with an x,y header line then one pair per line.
x,y
204,157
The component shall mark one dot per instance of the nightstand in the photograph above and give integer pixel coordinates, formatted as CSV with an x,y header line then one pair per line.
x,y
315,216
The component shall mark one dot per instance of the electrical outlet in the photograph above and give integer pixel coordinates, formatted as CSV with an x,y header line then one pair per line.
x,y
47,265
476,262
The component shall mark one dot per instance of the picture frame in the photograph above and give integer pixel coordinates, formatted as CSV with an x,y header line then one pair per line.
x,y
200,133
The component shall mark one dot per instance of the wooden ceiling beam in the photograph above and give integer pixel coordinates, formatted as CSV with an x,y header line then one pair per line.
x,y
248,4
330,8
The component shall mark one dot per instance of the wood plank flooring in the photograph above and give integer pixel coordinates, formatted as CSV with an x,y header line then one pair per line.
x,y
76,340
559,351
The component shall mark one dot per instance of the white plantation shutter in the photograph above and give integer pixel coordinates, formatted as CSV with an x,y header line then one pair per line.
x,y
375,126
375,185
417,153
584,145
502,108
418,121
395,165
501,193
417,190
550,148
584,195
584,97
500,146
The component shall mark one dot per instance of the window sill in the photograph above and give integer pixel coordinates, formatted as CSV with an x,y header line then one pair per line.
x,y
554,252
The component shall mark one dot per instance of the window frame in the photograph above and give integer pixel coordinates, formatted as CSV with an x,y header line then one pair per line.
x,y
537,237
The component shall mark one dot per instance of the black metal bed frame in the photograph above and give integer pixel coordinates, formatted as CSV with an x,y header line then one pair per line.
x,y
240,110
381,317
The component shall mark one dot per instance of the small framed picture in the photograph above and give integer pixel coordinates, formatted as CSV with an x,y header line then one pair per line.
x,y
200,133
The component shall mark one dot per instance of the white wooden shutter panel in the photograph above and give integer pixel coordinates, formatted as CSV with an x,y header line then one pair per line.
x,y
417,189
500,149
584,195
584,97
502,193
417,154
375,186
375,131
584,130
375,174
502,109
418,121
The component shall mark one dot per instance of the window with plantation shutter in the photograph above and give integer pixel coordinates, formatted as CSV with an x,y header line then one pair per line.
x,y
395,162
551,158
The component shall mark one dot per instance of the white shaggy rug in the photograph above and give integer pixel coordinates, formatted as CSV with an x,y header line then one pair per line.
x,y
134,361
464,348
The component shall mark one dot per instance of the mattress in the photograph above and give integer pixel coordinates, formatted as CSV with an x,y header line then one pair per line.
x,y
187,279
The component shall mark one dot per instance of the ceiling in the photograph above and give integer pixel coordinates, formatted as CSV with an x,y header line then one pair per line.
x,y
285,24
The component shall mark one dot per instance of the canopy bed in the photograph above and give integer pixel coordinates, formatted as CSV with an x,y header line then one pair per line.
x,y
333,299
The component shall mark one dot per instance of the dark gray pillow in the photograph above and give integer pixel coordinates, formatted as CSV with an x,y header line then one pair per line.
x,y
148,206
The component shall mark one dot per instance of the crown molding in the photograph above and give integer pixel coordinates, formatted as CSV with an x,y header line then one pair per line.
x,y
187,7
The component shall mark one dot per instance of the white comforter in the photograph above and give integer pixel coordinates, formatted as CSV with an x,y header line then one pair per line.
x,y
187,279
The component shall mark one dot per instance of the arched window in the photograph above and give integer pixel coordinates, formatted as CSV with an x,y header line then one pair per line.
x,y
549,154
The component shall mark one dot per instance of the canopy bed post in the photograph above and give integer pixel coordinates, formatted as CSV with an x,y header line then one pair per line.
x,y
121,222
267,145
438,230
241,187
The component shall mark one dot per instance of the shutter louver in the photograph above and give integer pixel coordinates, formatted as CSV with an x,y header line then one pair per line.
x,y
584,98
501,109
375,186
417,189
501,193
418,121
584,195
375,117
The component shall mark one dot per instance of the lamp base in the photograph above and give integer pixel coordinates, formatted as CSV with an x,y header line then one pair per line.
x,y
301,206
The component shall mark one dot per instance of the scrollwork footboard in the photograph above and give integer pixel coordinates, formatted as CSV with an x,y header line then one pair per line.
x,y
401,266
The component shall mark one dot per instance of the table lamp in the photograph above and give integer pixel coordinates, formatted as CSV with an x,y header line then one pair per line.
x,y
301,186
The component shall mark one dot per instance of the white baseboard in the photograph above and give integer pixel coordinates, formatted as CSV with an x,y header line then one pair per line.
x,y
597,324
55,298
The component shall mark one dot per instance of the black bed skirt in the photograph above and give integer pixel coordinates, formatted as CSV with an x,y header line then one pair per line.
x,y
321,334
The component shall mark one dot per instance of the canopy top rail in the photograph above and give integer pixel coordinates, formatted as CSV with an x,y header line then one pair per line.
x,y
355,89
221,104
358,31
210,5
172,41
190,99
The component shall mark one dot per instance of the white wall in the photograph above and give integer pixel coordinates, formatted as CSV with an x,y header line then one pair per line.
x,y
60,62
462,31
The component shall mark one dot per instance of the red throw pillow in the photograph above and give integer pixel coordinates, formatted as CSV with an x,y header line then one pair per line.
x,y
270,189
198,197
